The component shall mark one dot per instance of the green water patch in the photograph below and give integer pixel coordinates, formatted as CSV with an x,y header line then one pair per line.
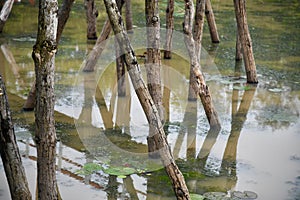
x,y
119,171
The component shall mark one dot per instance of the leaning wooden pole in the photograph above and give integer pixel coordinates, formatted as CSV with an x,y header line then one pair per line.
x,y
245,39
11,158
97,50
5,11
211,22
146,101
198,26
198,83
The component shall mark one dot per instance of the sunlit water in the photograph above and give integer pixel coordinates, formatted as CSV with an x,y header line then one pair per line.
x,y
256,150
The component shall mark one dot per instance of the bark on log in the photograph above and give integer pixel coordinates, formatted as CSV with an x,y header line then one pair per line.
x,y
63,16
9,151
211,22
244,36
146,101
45,137
5,11
198,27
128,12
198,82
153,64
169,29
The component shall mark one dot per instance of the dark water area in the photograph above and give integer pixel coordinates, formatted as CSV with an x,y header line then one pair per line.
x,y
256,150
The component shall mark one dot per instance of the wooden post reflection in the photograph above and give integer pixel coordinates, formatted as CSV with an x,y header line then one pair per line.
x,y
239,116
128,183
112,188
123,107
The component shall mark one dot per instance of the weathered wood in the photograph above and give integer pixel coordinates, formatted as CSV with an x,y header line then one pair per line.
x,y
128,12
91,16
5,11
153,64
45,136
169,29
197,82
63,16
96,52
211,22
146,101
198,26
244,36
11,159
153,58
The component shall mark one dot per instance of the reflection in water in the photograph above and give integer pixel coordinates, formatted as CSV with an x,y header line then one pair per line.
x,y
258,115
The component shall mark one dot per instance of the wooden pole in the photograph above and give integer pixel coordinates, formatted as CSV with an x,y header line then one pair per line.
x,y
245,39
11,158
198,26
151,112
211,22
5,11
197,82
169,29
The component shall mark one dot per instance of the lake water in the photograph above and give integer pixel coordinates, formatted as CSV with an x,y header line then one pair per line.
x,y
256,150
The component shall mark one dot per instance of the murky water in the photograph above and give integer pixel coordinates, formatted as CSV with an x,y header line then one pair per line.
x,y
256,150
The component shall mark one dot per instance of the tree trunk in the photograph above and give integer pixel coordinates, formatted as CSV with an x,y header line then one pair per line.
x,y
198,27
45,137
63,16
9,150
100,44
211,22
198,82
129,25
91,15
153,65
146,101
244,36
5,11
169,29
153,59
